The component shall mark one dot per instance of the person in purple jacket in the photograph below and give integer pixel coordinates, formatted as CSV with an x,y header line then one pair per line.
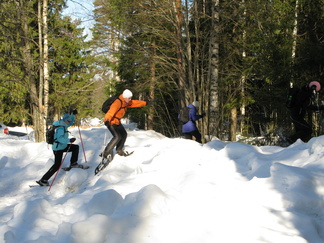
x,y
190,129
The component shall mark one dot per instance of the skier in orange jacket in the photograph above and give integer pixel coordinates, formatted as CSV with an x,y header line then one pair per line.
x,y
112,119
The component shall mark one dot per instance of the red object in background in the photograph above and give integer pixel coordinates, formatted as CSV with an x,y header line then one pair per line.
x,y
6,131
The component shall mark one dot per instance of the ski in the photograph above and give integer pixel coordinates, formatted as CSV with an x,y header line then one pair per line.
x,y
31,186
103,164
38,185
84,167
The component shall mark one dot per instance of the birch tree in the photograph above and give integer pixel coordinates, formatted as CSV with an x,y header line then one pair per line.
x,y
46,67
213,71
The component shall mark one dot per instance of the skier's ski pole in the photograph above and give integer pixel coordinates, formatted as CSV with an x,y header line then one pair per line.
x,y
60,166
85,159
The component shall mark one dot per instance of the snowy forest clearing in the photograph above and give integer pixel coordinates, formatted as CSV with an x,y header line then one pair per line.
x,y
169,190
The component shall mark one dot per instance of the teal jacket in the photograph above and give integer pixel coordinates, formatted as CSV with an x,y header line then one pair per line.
x,y
61,136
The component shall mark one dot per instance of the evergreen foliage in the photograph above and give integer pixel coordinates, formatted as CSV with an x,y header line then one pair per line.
x,y
167,51
71,73
21,64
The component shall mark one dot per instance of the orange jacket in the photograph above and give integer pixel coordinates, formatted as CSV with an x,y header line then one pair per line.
x,y
118,109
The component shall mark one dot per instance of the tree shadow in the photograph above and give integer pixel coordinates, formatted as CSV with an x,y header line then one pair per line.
x,y
301,188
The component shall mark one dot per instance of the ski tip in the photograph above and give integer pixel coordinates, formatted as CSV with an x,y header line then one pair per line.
x,y
130,153
97,170
31,186
127,153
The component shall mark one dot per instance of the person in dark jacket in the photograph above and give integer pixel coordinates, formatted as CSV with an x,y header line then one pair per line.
x,y
190,129
62,144
303,130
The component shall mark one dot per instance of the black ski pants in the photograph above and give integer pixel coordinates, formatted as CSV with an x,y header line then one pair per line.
x,y
196,134
118,140
73,148
302,130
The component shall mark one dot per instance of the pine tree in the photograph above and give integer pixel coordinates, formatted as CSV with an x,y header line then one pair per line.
x,y
24,67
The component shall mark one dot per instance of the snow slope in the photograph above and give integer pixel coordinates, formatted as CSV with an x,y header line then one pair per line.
x,y
168,191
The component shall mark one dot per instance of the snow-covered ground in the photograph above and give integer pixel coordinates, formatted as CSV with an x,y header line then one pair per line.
x,y
168,191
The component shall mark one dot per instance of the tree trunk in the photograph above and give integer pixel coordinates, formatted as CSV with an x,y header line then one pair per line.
x,y
41,54
213,71
28,64
183,99
243,104
293,51
233,124
191,82
295,32
46,72
152,86
202,86
243,80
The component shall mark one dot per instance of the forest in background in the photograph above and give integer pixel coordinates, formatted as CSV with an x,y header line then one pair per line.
x,y
238,58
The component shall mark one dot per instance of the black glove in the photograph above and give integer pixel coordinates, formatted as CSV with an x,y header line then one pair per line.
x,y
75,111
203,114
151,102
72,140
107,123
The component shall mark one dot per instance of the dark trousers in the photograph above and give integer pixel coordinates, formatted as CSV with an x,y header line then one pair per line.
x,y
302,130
58,159
196,134
119,138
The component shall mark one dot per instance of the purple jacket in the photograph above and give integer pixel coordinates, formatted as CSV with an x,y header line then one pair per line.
x,y
190,126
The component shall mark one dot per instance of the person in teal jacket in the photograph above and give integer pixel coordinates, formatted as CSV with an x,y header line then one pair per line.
x,y
62,143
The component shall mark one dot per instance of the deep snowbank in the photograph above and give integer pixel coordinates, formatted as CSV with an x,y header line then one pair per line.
x,y
169,190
